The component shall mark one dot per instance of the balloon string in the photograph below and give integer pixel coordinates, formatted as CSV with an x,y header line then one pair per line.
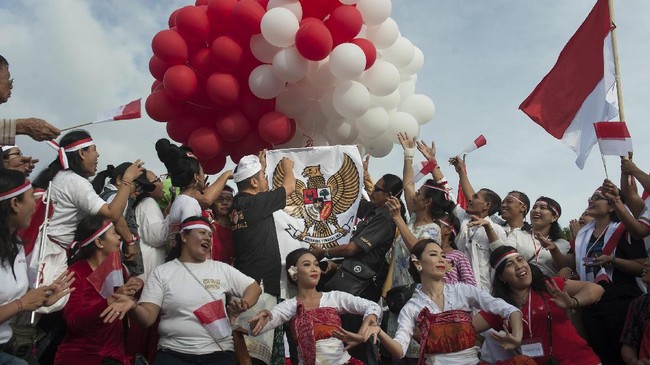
x,y
310,141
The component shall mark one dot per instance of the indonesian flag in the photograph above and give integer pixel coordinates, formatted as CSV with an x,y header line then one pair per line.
x,y
581,88
460,199
214,319
131,110
425,169
613,138
479,142
108,275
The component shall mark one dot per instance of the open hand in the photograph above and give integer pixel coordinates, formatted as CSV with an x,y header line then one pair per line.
x,y
119,305
508,341
258,322
428,152
405,141
560,297
60,288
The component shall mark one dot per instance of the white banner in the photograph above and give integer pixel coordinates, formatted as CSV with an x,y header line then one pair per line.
x,y
329,182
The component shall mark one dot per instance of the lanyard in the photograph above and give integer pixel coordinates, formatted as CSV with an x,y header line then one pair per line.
x,y
529,321
596,241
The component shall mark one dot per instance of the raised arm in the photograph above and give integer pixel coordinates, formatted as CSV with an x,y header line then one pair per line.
x,y
211,193
630,171
459,164
408,145
115,208
635,227
560,260
429,153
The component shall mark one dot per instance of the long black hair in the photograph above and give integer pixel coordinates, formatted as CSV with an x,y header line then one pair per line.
x,y
74,160
9,242
175,251
180,166
501,289
85,229
441,205
417,251
292,260
395,186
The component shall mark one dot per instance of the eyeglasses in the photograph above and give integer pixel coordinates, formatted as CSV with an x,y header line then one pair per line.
x,y
595,198
157,179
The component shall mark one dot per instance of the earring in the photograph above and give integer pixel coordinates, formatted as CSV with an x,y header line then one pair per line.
x,y
418,268
101,246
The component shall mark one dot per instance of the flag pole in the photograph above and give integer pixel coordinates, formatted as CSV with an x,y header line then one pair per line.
x,y
85,124
603,158
617,69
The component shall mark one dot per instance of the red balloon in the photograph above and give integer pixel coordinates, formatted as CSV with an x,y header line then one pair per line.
x,y
368,49
226,53
162,107
157,68
214,165
254,108
172,18
193,24
252,144
292,132
220,10
318,8
308,20
274,127
344,23
205,143
201,2
233,126
157,84
201,62
222,89
247,15
170,47
182,126
314,40
180,82
235,157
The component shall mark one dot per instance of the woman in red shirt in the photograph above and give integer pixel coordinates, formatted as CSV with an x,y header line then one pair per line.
x,y
543,302
88,340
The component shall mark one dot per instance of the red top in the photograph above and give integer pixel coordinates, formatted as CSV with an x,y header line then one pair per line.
x,y
222,249
88,340
568,346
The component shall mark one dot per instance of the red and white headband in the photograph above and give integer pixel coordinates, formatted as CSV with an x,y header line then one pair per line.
x,y
447,197
16,191
94,236
72,147
448,225
505,257
517,199
550,207
198,224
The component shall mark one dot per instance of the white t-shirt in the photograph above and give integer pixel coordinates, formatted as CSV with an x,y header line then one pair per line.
x,y
531,250
152,229
474,243
183,207
73,199
329,350
12,289
178,294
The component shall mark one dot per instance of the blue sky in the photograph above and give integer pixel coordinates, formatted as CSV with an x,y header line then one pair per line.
x,y
72,59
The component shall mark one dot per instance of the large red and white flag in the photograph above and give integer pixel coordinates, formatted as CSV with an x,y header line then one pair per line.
x,y
108,275
613,138
131,110
213,317
581,88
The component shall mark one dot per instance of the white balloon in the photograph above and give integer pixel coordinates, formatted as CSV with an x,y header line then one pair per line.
x,y
263,50
382,78
320,140
383,35
279,27
388,102
292,102
420,106
347,61
374,12
289,65
320,75
313,121
341,132
327,104
298,140
373,123
402,122
378,147
406,88
416,64
351,99
264,83
291,5
401,53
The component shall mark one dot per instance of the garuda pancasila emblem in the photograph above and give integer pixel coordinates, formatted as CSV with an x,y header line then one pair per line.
x,y
318,202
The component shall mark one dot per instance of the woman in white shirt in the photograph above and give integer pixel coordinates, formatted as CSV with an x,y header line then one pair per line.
x,y
189,293
443,313
16,209
315,316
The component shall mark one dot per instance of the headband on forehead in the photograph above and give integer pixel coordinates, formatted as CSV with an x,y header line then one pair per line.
x,y
93,237
505,257
448,225
447,197
72,147
517,199
198,224
16,191
8,147
550,207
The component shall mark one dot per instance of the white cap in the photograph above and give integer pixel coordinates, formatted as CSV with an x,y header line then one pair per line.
x,y
7,147
247,167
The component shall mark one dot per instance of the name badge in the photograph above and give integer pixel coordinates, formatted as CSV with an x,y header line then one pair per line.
x,y
532,348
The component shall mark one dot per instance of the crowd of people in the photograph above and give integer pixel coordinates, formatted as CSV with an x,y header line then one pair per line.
x,y
421,280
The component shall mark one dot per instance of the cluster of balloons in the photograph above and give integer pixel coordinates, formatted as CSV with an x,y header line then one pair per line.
x,y
236,76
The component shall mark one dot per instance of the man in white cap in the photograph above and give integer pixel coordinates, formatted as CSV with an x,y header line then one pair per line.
x,y
257,253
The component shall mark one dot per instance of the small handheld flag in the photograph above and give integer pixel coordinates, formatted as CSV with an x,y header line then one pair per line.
x,y
131,110
479,142
613,138
108,275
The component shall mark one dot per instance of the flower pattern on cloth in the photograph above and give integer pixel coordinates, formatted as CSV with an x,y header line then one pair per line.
x,y
309,326
446,332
